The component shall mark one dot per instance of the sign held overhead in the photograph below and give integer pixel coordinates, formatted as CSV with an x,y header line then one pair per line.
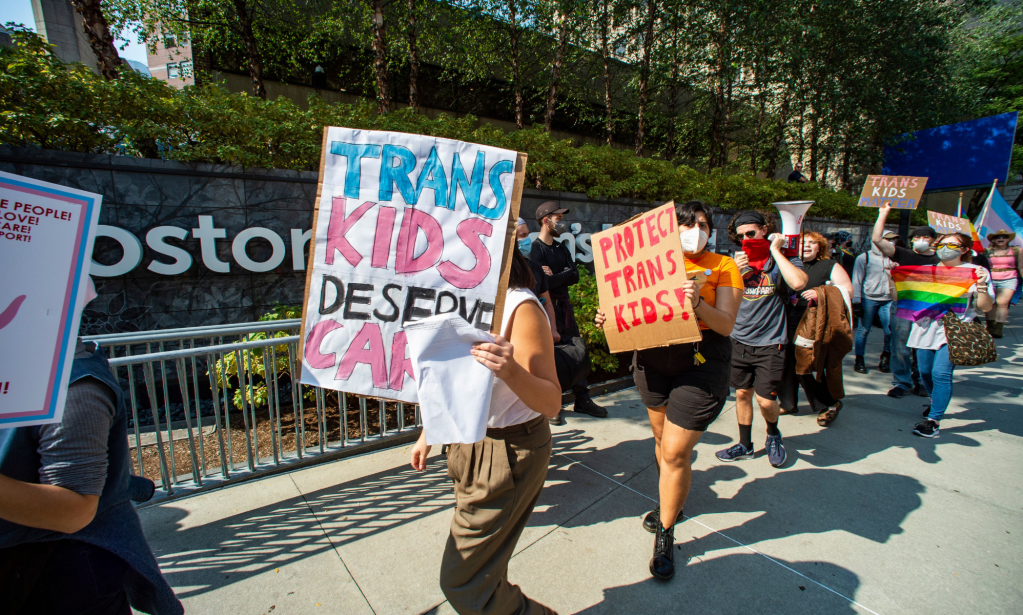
x,y
898,191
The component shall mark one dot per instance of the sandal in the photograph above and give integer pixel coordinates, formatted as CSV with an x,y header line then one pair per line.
x,y
828,416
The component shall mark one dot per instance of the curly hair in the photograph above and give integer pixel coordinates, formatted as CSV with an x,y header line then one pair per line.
x,y
822,244
769,227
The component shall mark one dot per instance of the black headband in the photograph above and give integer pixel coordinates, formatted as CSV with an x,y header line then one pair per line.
x,y
749,217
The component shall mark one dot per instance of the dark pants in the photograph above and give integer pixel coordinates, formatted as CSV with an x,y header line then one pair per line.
x,y
66,577
788,393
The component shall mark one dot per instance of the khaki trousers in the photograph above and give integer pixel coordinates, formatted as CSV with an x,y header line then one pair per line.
x,y
497,482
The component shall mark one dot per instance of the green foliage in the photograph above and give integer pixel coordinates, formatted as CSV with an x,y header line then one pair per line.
x,y
584,304
44,103
255,362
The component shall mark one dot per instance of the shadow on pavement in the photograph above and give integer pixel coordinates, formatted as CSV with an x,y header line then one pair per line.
x,y
739,583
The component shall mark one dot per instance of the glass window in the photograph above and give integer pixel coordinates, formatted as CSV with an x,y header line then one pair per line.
x,y
169,41
185,69
172,71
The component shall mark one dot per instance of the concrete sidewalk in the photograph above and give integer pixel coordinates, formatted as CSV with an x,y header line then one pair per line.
x,y
863,518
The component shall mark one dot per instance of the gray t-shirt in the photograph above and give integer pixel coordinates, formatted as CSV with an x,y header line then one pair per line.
x,y
761,318
73,452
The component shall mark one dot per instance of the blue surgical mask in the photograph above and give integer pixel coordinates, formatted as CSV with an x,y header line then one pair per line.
x,y
525,244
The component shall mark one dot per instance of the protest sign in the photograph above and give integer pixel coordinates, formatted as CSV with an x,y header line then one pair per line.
x,y
404,227
948,224
640,269
898,191
46,238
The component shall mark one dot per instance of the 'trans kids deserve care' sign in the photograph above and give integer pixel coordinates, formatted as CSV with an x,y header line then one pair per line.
x,y
898,191
46,237
405,227
640,269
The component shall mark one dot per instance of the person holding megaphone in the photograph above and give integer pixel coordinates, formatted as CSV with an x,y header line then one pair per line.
x,y
761,329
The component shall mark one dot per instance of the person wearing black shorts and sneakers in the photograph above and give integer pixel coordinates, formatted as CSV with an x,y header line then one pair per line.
x,y
760,333
687,384
556,262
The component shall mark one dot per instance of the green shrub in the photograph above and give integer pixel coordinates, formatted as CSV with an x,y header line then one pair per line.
x,y
45,103
585,303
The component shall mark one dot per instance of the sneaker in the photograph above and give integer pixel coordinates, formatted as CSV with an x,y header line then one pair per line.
x,y
558,420
775,450
927,429
662,564
859,366
898,392
653,517
588,406
735,453
919,390
927,411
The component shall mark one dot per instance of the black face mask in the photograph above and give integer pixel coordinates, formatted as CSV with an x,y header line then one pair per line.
x,y
557,228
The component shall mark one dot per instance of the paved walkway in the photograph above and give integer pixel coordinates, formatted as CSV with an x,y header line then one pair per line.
x,y
863,518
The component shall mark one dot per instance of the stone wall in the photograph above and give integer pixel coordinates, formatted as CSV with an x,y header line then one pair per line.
x,y
164,278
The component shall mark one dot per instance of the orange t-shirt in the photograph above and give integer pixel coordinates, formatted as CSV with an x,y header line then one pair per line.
x,y
713,270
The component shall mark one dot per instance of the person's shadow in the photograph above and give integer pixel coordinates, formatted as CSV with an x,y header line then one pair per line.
x,y
738,583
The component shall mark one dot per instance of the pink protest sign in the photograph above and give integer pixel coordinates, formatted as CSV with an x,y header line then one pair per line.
x,y
405,227
46,238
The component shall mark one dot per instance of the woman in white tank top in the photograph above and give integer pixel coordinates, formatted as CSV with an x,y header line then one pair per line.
x,y
498,480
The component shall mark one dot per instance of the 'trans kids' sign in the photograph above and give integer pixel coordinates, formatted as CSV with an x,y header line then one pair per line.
x,y
640,269
46,237
405,227
898,191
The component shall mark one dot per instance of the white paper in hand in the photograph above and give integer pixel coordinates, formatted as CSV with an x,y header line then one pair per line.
x,y
454,388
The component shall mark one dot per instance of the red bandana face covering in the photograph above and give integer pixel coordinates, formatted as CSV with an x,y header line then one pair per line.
x,y
758,251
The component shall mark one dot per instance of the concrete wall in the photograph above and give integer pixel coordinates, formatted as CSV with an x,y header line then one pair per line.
x,y
60,24
173,283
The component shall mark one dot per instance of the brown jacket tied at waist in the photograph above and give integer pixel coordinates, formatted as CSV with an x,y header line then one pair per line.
x,y
823,338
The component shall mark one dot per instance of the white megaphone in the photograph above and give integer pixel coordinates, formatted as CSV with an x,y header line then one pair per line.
x,y
792,213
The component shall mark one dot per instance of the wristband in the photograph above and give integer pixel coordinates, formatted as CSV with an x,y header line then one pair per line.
x,y
698,303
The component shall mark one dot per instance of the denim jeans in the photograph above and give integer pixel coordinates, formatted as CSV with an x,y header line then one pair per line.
x,y
902,355
936,371
883,312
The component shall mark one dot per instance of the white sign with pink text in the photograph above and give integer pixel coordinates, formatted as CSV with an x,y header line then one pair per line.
x,y
46,238
406,227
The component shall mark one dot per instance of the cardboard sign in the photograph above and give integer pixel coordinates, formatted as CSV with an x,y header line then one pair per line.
x,y
405,227
640,269
948,224
46,238
899,191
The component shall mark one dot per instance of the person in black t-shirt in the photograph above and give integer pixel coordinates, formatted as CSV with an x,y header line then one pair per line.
x,y
903,380
796,176
539,277
558,266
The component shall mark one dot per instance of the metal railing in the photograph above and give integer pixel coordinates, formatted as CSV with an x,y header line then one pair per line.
x,y
257,420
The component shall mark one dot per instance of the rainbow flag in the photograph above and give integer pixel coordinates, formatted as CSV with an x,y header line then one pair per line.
x,y
929,291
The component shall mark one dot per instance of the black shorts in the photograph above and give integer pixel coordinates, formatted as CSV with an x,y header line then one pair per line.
x,y
693,395
759,368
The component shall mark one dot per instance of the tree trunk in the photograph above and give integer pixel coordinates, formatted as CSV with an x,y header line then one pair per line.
x,y
846,155
644,75
802,127
108,61
605,54
813,145
559,59
413,59
251,51
380,57
783,113
760,122
516,84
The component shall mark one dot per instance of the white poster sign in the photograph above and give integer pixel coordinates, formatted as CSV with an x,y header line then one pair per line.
x,y
46,237
406,227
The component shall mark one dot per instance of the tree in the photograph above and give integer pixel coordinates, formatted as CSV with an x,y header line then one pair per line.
x,y
650,19
94,22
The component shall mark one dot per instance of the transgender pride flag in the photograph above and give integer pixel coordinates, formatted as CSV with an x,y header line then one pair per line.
x,y
997,215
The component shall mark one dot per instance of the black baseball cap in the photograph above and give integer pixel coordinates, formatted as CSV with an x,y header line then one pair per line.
x,y
548,208
923,231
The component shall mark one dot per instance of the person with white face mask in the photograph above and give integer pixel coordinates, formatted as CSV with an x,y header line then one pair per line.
x,y
920,254
684,386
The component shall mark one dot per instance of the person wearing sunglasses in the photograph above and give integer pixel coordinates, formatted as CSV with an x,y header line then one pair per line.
x,y
927,335
922,253
685,386
1006,263
761,330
